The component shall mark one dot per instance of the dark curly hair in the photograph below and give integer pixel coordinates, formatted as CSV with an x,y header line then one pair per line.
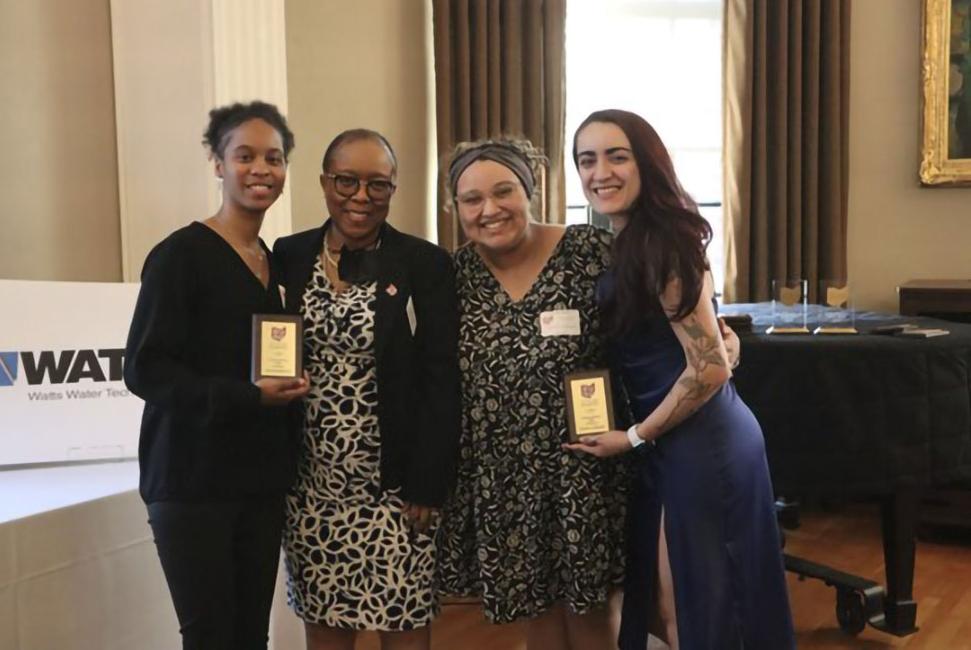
x,y
665,236
224,119
353,135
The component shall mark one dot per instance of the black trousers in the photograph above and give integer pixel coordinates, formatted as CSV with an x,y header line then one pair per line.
x,y
220,561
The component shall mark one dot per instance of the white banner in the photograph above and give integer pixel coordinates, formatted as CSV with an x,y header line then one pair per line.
x,y
62,396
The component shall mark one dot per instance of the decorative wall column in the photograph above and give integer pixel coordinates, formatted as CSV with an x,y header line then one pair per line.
x,y
173,61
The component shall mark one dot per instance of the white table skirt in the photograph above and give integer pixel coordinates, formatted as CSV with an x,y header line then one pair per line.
x,y
78,568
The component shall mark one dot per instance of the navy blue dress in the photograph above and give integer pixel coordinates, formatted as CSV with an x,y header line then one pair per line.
x,y
710,476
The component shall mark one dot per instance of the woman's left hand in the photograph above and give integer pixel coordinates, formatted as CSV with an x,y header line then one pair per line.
x,y
733,347
602,445
418,516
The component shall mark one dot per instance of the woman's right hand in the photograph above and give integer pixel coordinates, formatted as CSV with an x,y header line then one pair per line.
x,y
280,392
602,445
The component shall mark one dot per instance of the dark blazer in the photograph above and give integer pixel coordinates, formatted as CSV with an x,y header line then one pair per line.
x,y
419,411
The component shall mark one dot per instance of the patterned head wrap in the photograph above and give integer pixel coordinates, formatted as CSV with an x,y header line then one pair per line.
x,y
500,152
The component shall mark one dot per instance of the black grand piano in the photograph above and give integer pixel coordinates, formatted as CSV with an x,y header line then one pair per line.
x,y
862,415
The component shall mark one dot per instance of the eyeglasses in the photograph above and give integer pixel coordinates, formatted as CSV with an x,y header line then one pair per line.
x,y
377,189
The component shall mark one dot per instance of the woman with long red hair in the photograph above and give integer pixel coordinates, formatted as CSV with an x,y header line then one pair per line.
x,y
706,564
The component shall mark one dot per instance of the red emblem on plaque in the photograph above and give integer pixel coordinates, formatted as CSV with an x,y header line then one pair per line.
x,y
277,333
587,390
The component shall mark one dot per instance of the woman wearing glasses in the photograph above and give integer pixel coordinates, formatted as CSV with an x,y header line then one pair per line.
x,y
381,421
535,531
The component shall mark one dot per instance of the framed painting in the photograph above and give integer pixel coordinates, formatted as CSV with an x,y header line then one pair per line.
x,y
946,93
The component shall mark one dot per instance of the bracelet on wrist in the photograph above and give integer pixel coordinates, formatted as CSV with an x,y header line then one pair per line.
x,y
636,441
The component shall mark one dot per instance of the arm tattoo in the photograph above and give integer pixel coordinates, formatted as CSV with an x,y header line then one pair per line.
x,y
701,352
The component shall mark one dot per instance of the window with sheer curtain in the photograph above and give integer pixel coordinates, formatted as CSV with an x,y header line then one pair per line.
x,y
661,59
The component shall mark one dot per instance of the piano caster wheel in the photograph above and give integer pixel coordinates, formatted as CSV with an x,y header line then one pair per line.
x,y
850,611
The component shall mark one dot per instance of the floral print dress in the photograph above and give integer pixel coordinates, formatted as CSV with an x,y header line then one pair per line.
x,y
530,524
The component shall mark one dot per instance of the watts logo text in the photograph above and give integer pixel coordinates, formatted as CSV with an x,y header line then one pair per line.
x,y
64,367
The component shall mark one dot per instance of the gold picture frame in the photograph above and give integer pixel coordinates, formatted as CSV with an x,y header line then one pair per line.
x,y
946,93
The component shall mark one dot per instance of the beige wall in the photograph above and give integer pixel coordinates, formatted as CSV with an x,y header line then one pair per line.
x,y
364,63
58,168
897,229
61,218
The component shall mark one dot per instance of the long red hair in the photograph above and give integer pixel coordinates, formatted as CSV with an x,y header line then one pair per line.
x,y
665,236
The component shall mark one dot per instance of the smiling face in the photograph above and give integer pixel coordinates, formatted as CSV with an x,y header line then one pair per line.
x,y
492,205
357,217
608,171
252,166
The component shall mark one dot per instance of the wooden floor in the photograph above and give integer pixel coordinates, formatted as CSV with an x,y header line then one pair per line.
x,y
849,540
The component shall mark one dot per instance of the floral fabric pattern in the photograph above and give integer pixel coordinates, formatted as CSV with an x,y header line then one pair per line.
x,y
530,524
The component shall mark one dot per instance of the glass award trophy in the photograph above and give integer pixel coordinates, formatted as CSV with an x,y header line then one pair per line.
x,y
835,313
789,307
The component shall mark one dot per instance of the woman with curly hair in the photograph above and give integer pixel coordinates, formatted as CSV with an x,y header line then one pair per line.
x,y
215,453
534,530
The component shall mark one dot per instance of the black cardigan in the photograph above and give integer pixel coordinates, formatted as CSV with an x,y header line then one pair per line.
x,y
205,436
417,374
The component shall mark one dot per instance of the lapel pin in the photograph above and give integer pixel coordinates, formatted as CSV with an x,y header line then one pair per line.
x,y
392,290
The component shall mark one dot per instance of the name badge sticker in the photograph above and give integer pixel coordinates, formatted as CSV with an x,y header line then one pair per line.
x,y
561,322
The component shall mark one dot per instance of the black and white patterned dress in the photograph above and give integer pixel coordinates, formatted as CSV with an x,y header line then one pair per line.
x,y
352,560
530,524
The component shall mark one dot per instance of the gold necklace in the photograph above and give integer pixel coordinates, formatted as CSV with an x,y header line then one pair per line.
x,y
330,259
327,251
257,254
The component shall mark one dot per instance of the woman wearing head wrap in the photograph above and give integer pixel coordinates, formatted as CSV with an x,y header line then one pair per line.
x,y
532,529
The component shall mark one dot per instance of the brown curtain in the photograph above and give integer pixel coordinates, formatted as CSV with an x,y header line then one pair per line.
x,y
499,70
786,161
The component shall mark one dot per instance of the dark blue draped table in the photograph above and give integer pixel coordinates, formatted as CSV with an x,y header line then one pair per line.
x,y
863,415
